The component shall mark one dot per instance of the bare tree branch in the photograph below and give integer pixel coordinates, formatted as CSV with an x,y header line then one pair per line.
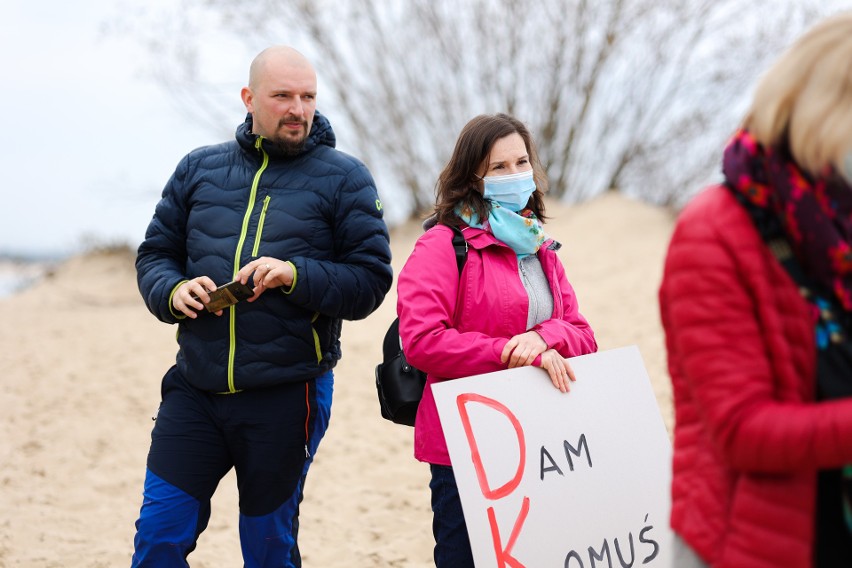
x,y
632,95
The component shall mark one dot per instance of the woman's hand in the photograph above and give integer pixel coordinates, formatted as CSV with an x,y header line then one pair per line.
x,y
268,273
561,373
522,349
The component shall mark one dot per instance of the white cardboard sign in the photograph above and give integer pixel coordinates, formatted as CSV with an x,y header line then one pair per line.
x,y
553,480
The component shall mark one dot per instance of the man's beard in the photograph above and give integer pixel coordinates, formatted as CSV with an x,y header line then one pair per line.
x,y
290,147
287,146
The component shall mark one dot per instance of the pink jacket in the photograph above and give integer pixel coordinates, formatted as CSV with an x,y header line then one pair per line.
x,y
748,438
454,326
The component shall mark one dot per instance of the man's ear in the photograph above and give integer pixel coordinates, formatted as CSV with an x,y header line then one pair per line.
x,y
247,97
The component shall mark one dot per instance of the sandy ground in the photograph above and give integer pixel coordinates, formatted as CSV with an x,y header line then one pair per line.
x,y
81,366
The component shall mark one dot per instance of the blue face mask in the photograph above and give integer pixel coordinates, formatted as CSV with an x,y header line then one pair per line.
x,y
511,191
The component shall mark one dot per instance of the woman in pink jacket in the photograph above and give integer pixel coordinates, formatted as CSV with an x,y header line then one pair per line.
x,y
756,300
511,306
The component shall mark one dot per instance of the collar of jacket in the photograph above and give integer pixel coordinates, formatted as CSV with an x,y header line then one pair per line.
x,y
480,238
321,135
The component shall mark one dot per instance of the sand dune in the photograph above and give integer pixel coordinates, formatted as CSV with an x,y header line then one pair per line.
x,y
82,361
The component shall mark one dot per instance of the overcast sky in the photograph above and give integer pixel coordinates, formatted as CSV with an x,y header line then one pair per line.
x,y
87,142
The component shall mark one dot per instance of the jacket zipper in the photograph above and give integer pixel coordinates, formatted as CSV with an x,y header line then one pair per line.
x,y
232,311
307,419
532,305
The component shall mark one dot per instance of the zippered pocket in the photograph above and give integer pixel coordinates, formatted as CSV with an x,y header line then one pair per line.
x,y
259,233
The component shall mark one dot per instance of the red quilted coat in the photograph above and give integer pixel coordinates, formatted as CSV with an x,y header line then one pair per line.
x,y
748,437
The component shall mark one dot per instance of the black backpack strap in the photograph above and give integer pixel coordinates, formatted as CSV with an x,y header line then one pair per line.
x,y
460,246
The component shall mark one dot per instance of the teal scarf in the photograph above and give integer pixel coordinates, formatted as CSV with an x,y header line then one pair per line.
x,y
521,231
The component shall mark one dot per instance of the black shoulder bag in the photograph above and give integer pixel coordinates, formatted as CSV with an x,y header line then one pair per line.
x,y
399,385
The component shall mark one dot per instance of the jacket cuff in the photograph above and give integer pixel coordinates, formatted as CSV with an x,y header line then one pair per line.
x,y
549,338
295,278
178,315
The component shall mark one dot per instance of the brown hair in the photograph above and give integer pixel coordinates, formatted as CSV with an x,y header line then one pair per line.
x,y
805,99
459,182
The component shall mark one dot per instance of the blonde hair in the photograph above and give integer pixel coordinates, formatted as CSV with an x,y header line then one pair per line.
x,y
805,99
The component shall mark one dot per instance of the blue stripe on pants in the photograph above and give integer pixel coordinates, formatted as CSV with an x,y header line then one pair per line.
x,y
169,524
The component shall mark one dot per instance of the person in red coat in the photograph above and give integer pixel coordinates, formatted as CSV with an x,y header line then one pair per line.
x,y
755,301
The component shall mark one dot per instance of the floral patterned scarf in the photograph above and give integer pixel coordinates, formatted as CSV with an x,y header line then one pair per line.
x,y
814,214
521,231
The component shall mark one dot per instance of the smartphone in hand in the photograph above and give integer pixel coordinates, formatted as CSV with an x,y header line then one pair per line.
x,y
227,295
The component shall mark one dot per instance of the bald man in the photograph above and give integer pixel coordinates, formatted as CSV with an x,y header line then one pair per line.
x,y
293,228
281,97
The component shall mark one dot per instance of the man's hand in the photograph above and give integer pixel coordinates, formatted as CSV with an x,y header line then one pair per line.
x,y
191,296
268,273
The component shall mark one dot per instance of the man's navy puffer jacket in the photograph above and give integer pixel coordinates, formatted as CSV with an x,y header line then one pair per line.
x,y
230,203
